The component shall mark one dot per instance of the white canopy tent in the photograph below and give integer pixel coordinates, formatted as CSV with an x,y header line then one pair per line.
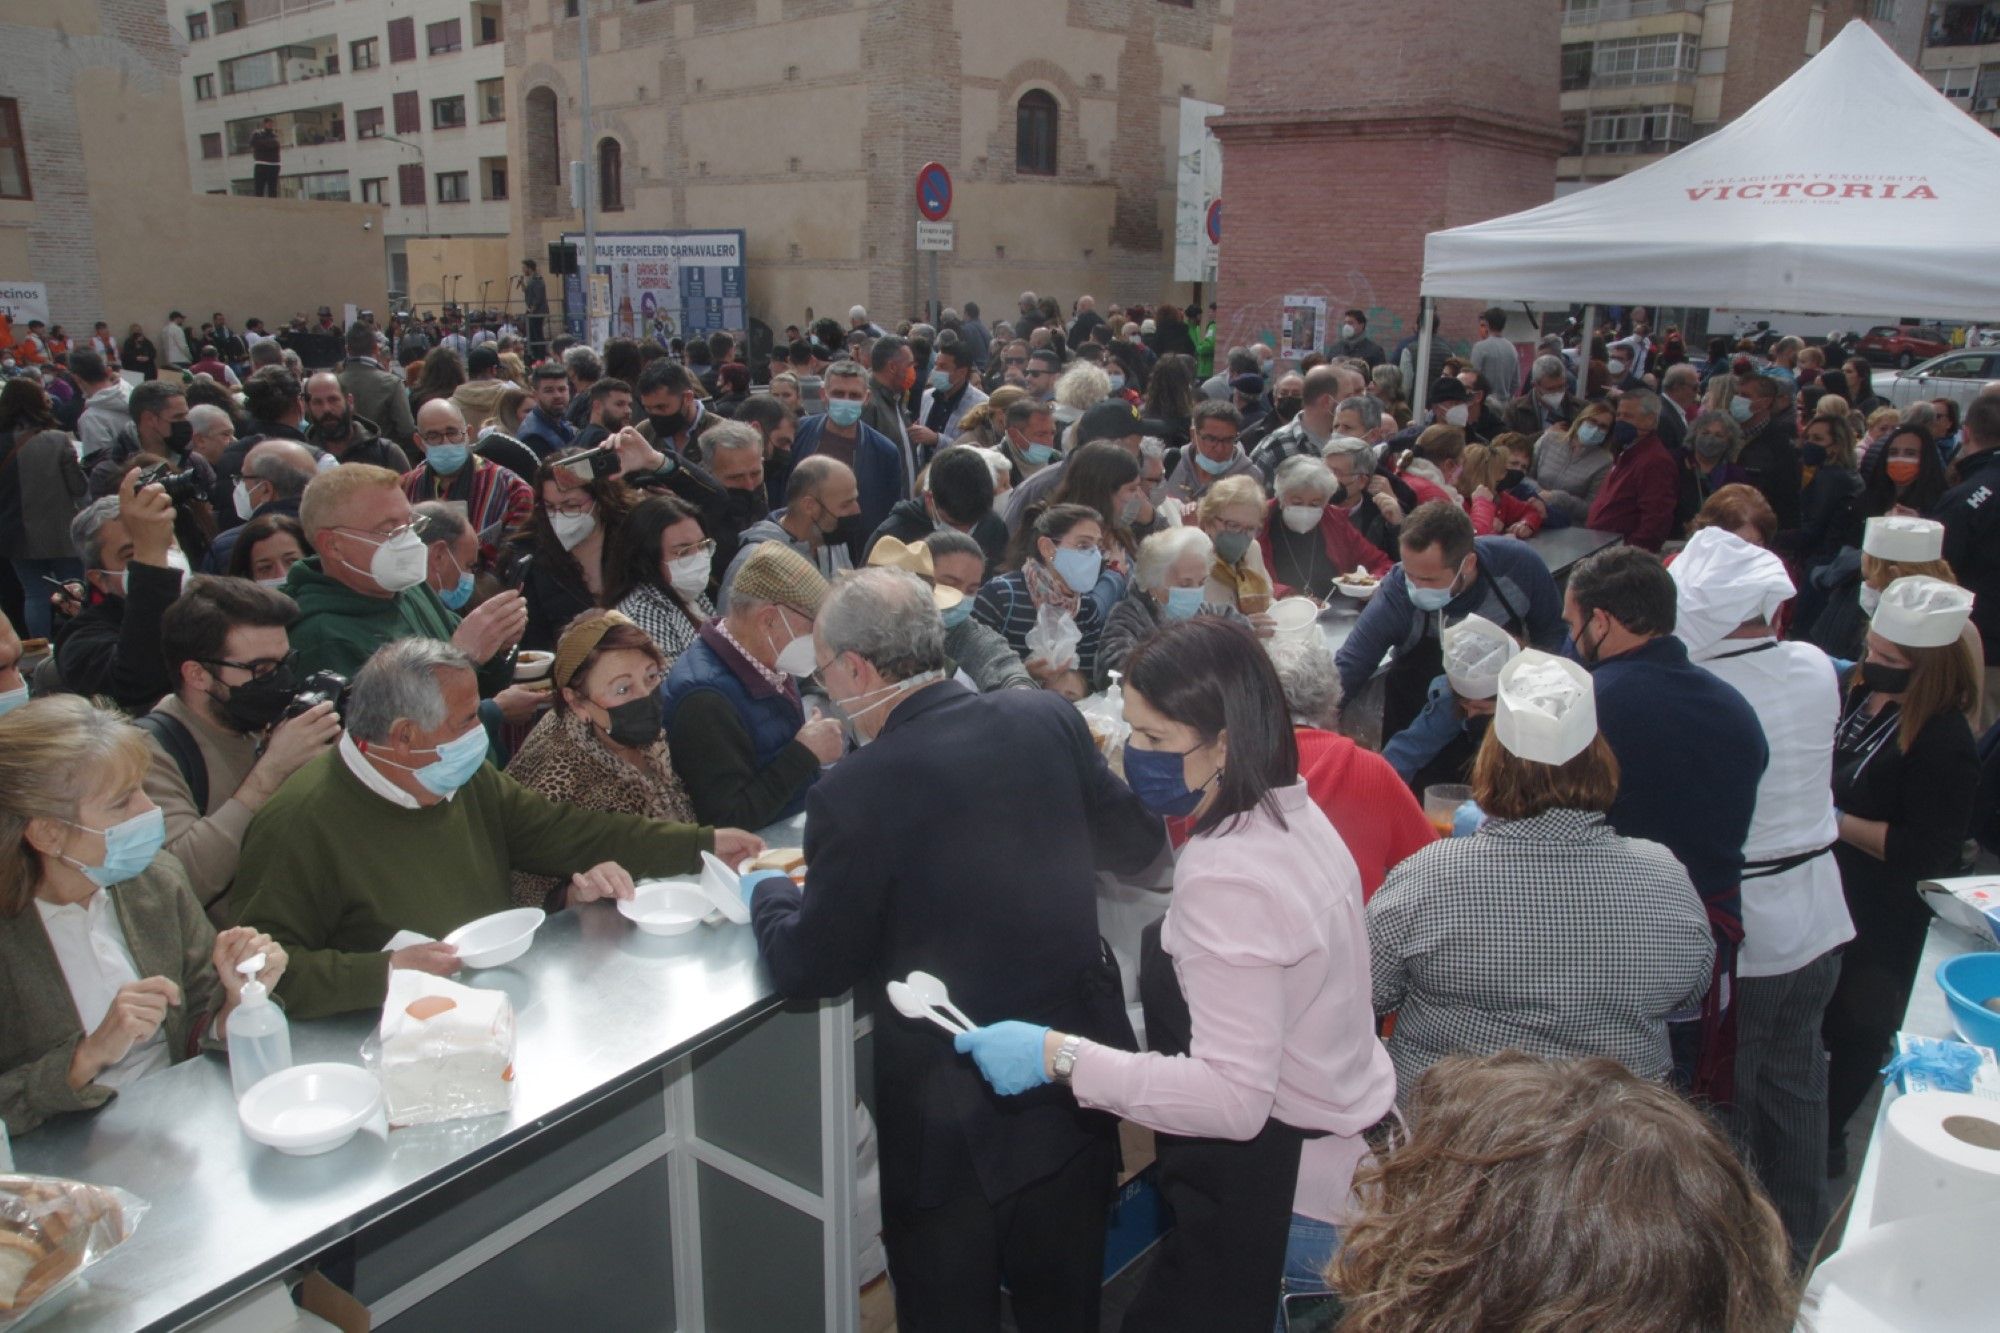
x,y
1853,186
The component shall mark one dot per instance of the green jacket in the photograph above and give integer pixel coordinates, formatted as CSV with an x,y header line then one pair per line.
x,y
339,628
39,1028
1204,350
331,870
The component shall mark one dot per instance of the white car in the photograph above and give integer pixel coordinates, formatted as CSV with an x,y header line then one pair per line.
x,y
1958,376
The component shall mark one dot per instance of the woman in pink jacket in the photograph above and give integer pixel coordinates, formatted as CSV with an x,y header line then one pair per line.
x,y
1264,1074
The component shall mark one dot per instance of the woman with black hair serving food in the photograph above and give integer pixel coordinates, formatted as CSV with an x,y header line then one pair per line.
x,y
1264,1072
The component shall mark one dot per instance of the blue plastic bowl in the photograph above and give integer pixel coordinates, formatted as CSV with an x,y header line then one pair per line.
x,y
1967,981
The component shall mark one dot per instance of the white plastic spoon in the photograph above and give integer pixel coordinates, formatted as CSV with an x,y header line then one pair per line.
x,y
933,993
910,1006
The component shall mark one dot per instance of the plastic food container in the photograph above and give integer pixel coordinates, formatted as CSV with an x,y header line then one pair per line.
x,y
1968,981
1294,618
494,940
666,907
310,1109
533,664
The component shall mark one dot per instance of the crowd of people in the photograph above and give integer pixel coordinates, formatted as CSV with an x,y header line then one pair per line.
x,y
330,653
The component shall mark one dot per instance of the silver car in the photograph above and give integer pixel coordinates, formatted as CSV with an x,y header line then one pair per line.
x,y
1958,376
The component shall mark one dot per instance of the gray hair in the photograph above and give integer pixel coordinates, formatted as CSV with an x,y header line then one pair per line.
x,y
847,368
444,521
888,618
583,363
1163,550
728,434
1389,379
1549,368
857,312
1721,421
1369,409
1083,386
1679,373
402,680
1362,452
292,361
1919,413
1310,680
287,482
1648,402
205,417
86,531
1303,470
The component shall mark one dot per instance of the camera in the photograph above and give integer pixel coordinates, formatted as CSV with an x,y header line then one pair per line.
x,y
588,467
318,688
183,488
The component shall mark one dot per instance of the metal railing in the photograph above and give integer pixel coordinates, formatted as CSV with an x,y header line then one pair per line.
x,y
1578,13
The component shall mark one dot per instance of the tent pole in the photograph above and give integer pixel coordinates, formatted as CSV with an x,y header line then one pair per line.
x,y
1420,370
1583,348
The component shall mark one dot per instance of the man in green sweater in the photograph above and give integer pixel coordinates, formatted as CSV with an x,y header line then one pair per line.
x,y
405,827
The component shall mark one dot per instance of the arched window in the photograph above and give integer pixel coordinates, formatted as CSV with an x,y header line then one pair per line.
x,y
610,176
544,195
1035,134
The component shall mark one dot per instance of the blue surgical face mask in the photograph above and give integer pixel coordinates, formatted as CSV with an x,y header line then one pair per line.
x,y
1182,602
958,615
457,760
1433,599
1159,779
1590,433
940,380
843,412
129,847
1740,407
1117,384
14,698
447,459
455,598
1079,569
1210,466
1039,454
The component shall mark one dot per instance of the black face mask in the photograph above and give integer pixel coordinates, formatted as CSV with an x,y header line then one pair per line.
x,y
844,530
744,507
1289,407
179,436
636,722
1339,494
669,425
1882,678
256,704
1514,477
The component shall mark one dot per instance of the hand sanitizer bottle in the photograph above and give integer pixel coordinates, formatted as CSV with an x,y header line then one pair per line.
x,y
260,1040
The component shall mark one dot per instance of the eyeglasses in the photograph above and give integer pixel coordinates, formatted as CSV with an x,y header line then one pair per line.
x,y
1241,529
262,668
571,508
443,436
691,548
1013,360
418,525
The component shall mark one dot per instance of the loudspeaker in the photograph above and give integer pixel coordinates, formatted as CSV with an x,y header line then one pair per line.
x,y
562,258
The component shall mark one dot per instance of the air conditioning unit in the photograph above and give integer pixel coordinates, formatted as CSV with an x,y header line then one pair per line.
x,y
1986,103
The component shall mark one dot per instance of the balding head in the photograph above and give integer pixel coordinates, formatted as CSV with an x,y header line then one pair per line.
x,y
1352,382
286,466
440,417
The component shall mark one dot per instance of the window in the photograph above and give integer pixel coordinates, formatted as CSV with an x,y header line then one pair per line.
x,y
543,151
486,23
322,185
442,38
1035,134
492,96
1955,82
410,183
403,46
197,27
1575,66
493,177
364,54
408,117
211,145
1649,129
368,123
373,188
204,87
1883,11
447,113
610,176
1624,61
454,187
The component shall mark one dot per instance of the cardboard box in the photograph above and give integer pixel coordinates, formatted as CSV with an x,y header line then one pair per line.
x,y
1970,902
1985,1079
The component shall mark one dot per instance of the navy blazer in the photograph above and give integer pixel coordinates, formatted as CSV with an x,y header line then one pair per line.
x,y
964,841
878,470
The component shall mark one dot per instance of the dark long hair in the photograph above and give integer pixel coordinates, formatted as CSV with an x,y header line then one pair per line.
x,y
1090,478
614,502
443,372
1922,494
24,403
634,561
1170,391
258,529
1211,674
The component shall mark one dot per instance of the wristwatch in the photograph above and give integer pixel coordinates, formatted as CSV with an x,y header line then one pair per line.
x,y
1065,1061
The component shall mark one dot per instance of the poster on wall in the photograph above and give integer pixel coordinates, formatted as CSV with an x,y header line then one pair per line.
x,y
1197,186
23,301
663,284
1304,326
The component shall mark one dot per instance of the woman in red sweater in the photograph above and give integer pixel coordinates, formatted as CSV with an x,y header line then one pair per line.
x,y
1482,484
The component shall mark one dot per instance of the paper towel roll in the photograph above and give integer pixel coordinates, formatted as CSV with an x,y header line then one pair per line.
x,y
1939,1150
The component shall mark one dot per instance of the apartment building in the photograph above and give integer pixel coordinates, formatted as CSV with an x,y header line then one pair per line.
x,y
1641,78
396,102
1962,56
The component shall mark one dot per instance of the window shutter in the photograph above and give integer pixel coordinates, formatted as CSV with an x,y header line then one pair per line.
x,y
408,114
402,40
410,183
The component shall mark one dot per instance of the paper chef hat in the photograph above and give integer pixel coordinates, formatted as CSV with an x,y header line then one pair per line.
x,y
1919,612
1474,651
1546,712
1904,540
1720,582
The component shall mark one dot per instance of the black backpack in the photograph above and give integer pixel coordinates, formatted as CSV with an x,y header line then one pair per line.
x,y
173,736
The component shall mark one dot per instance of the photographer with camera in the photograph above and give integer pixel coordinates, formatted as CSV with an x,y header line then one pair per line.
x,y
112,647
224,741
160,430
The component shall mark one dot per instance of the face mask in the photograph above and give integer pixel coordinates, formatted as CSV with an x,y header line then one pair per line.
x,y
129,847
1079,569
689,574
12,699
1711,447
1457,414
1159,779
1040,454
1183,602
459,593
843,412
1902,471
572,529
1740,408
1623,433
1348,331
1117,383
1813,455
398,563
668,424
636,722
940,380
1870,598
1210,466
274,584
1882,678
1617,369
240,497
908,379
457,760
874,699
179,435
447,459
1553,401
256,704
798,657
1590,433
1231,546
1433,599
1301,518
1511,478
958,615
1289,407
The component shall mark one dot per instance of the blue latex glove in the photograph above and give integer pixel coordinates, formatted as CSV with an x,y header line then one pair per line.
x,y
1467,819
1008,1054
748,883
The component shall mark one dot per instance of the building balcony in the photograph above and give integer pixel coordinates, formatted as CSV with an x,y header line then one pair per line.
x,y
1589,13
1963,25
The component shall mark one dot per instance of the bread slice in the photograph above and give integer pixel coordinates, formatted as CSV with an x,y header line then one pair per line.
x,y
788,859
19,1255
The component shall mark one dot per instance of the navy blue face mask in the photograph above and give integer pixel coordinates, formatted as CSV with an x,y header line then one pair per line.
x,y
1159,779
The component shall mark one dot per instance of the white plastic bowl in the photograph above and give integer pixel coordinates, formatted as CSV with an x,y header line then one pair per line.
x,y
493,940
1294,617
310,1109
1359,592
533,664
666,907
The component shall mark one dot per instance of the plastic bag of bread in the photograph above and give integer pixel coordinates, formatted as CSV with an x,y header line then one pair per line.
x,y
444,1051
50,1231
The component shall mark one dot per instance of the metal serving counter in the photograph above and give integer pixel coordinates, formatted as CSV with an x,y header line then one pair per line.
x,y
680,1154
